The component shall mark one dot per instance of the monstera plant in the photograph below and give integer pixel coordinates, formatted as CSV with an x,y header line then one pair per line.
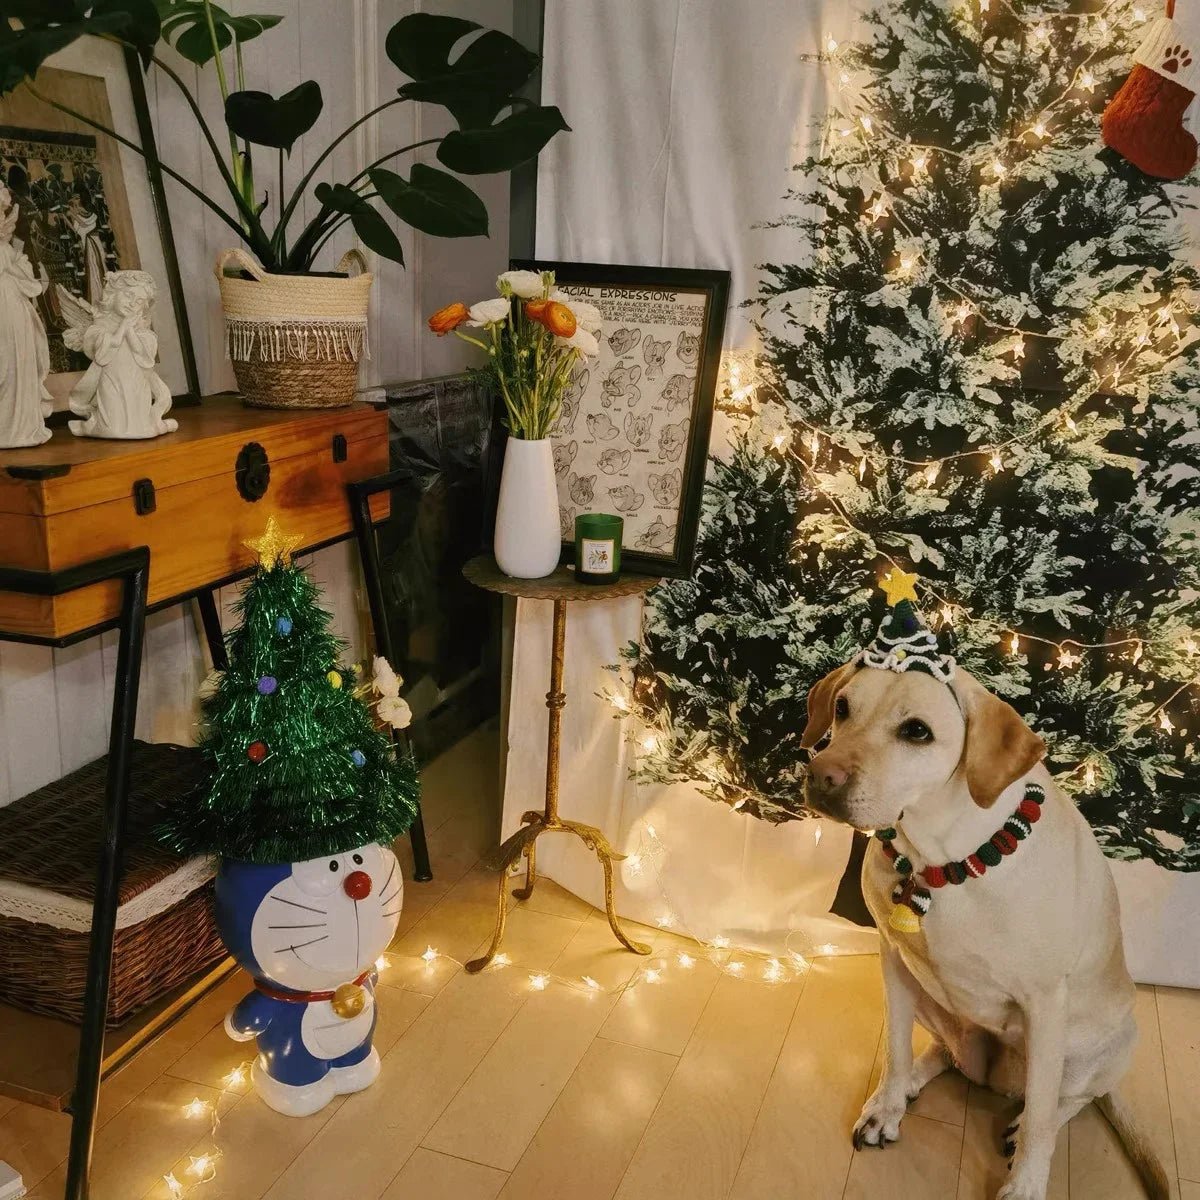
x,y
475,74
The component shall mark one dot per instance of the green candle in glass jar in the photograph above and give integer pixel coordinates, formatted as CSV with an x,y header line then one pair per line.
x,y
598,547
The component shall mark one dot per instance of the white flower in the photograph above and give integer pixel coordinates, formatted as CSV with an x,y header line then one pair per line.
x,y
526,284
588,315
489,312
386,682
581,340
394,711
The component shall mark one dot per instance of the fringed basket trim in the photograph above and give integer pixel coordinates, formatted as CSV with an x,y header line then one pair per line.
x,y
297,340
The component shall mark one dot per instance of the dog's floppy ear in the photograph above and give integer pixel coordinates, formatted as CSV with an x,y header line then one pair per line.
x,y
999,746
820,704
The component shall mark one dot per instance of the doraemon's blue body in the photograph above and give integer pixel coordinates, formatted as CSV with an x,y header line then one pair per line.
x,y
303,930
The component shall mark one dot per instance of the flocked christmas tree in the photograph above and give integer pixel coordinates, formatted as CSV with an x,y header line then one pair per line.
x,y
980,363
299,769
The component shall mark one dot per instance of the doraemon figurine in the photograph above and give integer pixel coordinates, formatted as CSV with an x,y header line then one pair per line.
x,y
309,933
304,798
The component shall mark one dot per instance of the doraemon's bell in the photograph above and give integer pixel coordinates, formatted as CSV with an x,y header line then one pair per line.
x,y
349,1000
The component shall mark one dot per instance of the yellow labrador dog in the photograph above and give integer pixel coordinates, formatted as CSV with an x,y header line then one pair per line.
x,y
1019,973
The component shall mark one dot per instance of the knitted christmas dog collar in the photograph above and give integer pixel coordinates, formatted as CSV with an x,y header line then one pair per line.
x,y
912,900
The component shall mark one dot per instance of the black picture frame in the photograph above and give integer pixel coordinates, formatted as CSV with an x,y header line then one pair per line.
x,y
610,282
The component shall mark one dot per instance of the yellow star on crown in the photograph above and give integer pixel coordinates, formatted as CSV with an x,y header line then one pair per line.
x,y
274,546
898,585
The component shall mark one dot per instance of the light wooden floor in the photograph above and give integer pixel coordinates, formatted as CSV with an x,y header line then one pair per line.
x,y
701,1085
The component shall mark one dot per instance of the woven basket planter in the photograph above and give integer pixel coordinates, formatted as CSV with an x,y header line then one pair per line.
x,y
49,844
295,340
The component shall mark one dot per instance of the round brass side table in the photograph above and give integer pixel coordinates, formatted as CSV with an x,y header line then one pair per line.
x,y
563,588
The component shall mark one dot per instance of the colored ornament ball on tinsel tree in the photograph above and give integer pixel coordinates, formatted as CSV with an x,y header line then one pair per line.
x,y
304,799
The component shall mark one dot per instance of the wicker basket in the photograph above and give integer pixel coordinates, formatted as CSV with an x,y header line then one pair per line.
x,y
49,846
295,340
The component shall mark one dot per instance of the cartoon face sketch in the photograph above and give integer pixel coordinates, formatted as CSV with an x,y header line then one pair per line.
x,y
672,440
687,347
621,384
566,522
626,499
637,429
659,536
622,340
582,487
601,428
666,487
678,390
564,456
655,354
613,461
568,414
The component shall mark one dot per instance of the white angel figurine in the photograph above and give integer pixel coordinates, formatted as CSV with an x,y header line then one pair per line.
x,y
24,351
120,394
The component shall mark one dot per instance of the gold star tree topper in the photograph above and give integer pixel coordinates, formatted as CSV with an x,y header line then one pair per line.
x,y
274,546
897,585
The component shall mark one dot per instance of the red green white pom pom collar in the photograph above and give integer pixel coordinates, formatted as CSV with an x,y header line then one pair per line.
x,y
914,893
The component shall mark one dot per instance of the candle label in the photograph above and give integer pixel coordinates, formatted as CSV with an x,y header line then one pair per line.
x,y
598,555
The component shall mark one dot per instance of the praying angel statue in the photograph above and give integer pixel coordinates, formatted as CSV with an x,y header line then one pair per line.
x,y
120,394
24,351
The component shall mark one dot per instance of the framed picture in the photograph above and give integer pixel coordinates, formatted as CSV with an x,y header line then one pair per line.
x,y
88,204
632,438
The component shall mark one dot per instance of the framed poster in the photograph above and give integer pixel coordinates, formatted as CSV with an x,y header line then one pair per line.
x,y
87,204
632,438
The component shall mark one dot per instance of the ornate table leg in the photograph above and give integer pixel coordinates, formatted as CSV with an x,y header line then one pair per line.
x,y
533,824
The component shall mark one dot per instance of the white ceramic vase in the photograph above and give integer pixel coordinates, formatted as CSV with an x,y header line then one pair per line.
x,y
527,539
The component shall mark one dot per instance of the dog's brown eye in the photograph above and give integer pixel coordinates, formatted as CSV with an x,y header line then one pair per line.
x,y
916,731
841,708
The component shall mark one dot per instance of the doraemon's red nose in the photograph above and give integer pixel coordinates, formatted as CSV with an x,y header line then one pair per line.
x,y
358,885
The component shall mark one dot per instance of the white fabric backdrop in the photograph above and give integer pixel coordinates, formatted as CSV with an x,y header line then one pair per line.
x,y
686,115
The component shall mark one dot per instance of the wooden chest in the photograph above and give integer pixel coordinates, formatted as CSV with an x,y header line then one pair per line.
x,y
193,497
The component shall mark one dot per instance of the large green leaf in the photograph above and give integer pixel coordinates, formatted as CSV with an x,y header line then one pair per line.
x,y
477,84
185,24
267,120
141,26
375,232
23,51
500,147
432,201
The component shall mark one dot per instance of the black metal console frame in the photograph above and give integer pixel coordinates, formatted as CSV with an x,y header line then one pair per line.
x,y
359,495
132,569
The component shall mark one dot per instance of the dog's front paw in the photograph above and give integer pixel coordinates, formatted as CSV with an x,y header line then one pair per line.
x,y
1023,1188
879,1124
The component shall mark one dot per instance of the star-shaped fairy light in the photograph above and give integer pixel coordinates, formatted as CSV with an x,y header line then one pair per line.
x,y
898,585
274,546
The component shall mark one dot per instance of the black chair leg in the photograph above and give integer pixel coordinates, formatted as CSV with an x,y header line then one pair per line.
x,y
359,497
211,620
85,1098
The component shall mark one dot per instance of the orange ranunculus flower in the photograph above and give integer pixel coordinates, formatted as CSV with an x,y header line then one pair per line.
x,y
448,318
559,319
535,310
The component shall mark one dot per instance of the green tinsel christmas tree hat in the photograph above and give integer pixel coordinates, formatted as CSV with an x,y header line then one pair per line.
x,y
904,642
298,768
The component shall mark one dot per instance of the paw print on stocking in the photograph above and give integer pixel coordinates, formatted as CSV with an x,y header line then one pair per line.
x,y
1176,58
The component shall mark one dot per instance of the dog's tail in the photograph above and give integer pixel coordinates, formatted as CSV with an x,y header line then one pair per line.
x,y
1141,1154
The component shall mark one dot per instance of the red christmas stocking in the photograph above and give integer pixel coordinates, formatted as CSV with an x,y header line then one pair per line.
x,y
1144,120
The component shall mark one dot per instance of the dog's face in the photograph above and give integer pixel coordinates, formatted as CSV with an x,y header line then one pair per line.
x,y
902,741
